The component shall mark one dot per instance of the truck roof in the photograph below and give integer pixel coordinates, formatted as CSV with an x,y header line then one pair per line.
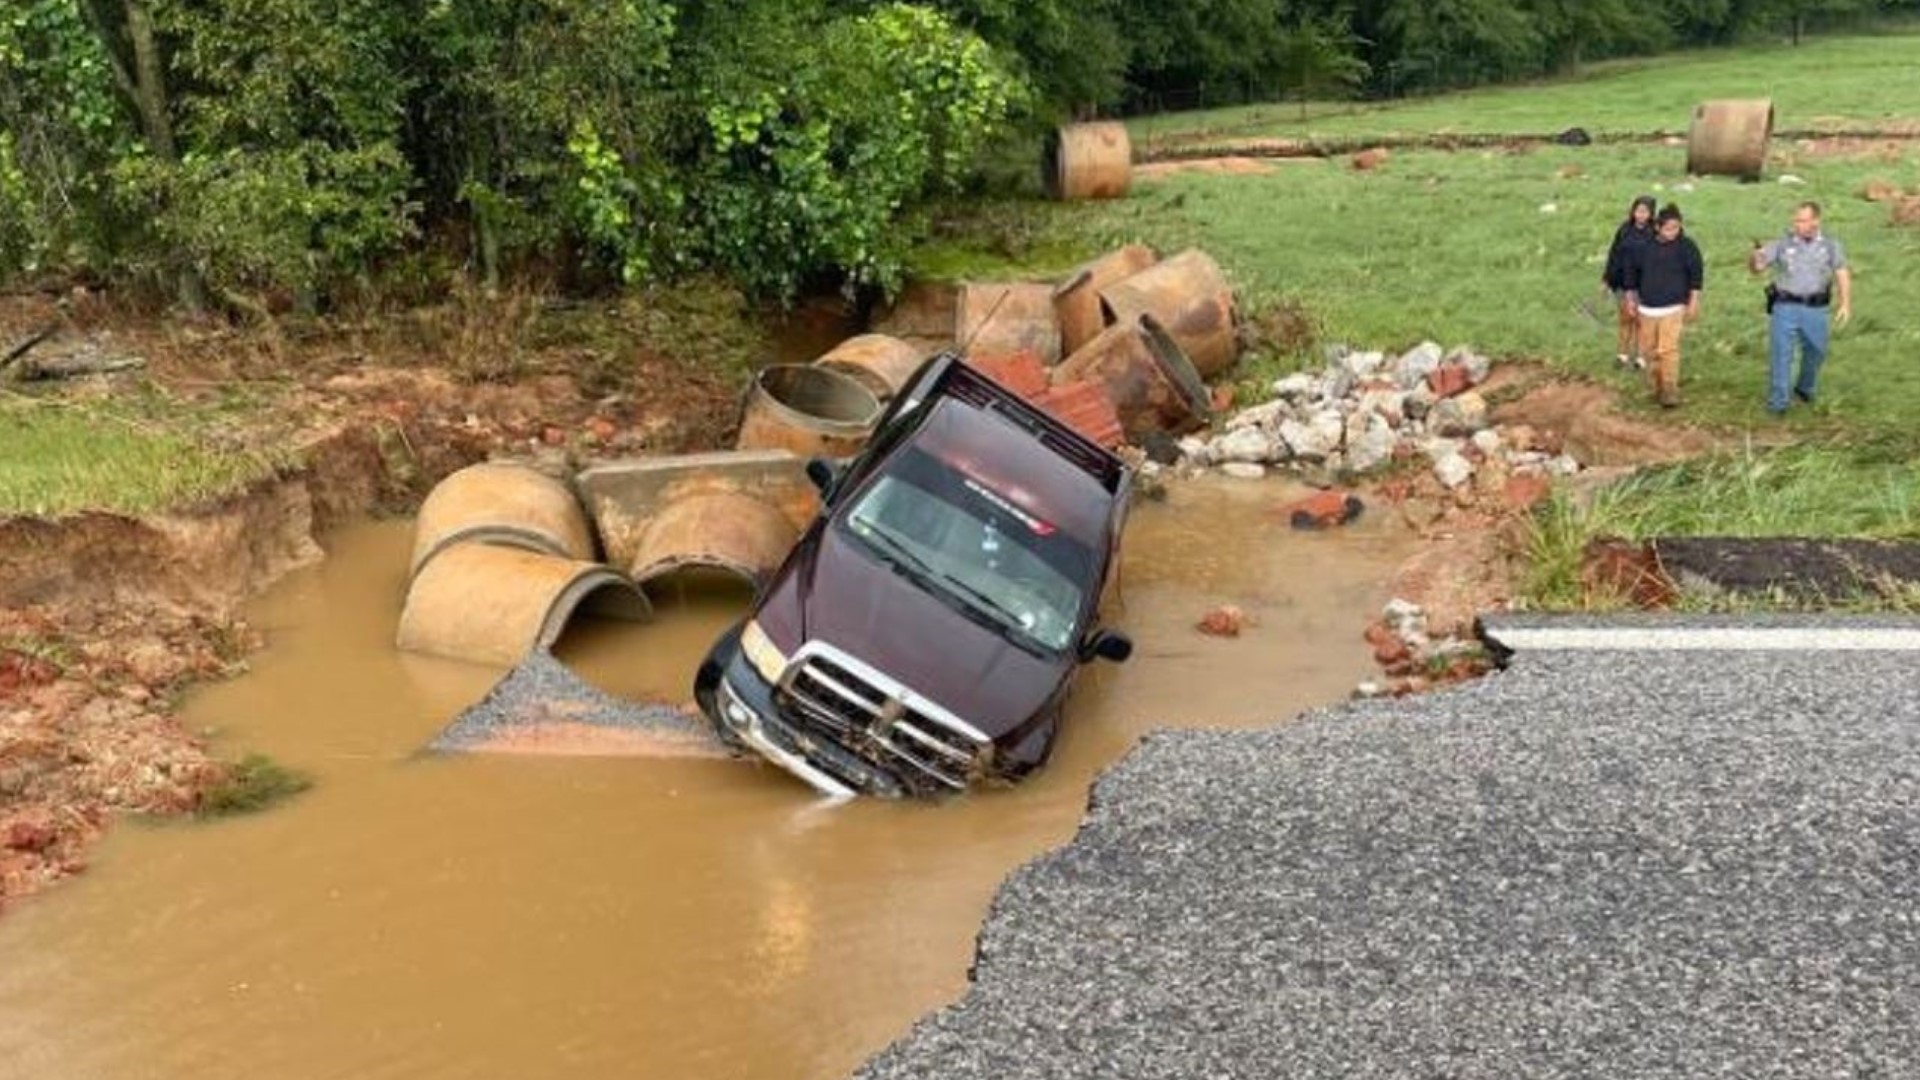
x,y
1018,464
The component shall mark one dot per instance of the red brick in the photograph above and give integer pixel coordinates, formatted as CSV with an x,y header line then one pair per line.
x,y
1085,407
1020,372
1222,622
1322,510
1449,379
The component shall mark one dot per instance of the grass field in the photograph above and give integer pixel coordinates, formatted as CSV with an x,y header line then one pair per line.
x,y
1853,83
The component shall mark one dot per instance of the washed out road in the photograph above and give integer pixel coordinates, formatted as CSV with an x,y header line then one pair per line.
x,y
1655,853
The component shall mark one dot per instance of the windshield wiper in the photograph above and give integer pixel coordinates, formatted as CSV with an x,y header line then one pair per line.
x,y
1008,617
985,606
896,550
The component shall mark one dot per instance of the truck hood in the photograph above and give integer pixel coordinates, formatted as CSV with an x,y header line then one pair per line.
x,y
850,600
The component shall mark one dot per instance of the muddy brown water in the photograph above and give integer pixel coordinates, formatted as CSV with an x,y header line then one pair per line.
x,y
485,915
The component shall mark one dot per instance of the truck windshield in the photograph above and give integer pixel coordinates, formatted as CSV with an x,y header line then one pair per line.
x,y
973,543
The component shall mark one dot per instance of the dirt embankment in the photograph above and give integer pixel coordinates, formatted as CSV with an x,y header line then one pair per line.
x,y
106,619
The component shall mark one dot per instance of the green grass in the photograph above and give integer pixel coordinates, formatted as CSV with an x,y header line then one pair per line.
x,y
252,784
1835,83
132,456
1455,246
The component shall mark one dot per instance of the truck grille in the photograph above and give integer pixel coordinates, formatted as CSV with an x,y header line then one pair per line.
x,y
836,696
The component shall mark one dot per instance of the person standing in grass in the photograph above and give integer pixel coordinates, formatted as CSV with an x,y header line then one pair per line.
x,y
1633,232
1809,272
1663,281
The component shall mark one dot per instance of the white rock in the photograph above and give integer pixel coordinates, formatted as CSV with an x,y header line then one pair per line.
x,y
1462,414
1405,618
1194,448
1478,367
1487,441
1419,402
1248,444
1297,385
1262,415
1316,438
1389,405
1549,208
1412,367
1337,383
1437,448
1683,187
1564,465
1363,364
1244,470
1453,470
1370,442
1791,180
1369,689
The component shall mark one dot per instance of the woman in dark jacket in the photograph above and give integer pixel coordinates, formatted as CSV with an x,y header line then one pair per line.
x,y
1633,232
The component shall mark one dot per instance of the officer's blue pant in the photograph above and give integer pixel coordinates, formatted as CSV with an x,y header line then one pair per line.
x,y
1807,326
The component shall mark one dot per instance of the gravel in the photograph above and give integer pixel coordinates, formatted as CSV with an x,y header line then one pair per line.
x,y
1593,864
540,689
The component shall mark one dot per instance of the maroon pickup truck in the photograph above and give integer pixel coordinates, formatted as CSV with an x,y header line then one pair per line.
x,y
923,634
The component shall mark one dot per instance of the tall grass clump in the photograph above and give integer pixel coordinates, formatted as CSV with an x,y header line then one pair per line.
x,y
253,783
1826,490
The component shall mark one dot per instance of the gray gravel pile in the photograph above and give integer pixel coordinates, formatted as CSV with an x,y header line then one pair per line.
x,y
1596,865
540,689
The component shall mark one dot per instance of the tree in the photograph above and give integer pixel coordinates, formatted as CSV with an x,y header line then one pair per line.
x,y
1318,59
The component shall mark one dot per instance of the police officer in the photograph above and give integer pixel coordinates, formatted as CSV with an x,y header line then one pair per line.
x,y
1809,274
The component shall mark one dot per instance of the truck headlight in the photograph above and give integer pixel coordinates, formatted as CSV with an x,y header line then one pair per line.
x,y
762,655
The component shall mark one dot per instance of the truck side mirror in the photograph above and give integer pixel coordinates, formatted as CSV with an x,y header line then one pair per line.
x,y
825,475
1106,645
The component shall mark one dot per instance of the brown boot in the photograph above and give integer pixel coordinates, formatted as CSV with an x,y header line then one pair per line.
x,y
1669,397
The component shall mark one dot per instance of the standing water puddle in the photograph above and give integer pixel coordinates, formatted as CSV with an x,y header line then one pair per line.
x,y
485,915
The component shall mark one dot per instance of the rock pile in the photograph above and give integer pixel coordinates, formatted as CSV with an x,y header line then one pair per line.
x,y
1365,410
1412,658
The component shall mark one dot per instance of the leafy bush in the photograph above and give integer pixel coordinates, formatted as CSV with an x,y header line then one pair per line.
x,y
813,166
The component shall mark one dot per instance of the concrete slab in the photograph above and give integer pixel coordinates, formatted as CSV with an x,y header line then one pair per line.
x,y
624,498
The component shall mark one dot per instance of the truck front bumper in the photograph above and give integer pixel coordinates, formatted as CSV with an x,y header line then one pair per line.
x,y
742,706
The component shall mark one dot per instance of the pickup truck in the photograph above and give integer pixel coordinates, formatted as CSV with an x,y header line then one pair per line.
x,y
923,634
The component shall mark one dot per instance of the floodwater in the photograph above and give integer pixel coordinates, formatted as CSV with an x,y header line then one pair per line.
x,y
484,915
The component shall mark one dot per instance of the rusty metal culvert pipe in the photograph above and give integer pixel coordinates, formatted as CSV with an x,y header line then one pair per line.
x,y
504,504
1076,303
879,362
1087,161
722,530
1729,138
996,319
808,410
493,605
1152,384
1188,295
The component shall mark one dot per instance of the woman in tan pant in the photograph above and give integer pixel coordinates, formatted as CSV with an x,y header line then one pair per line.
x,y
1664,279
